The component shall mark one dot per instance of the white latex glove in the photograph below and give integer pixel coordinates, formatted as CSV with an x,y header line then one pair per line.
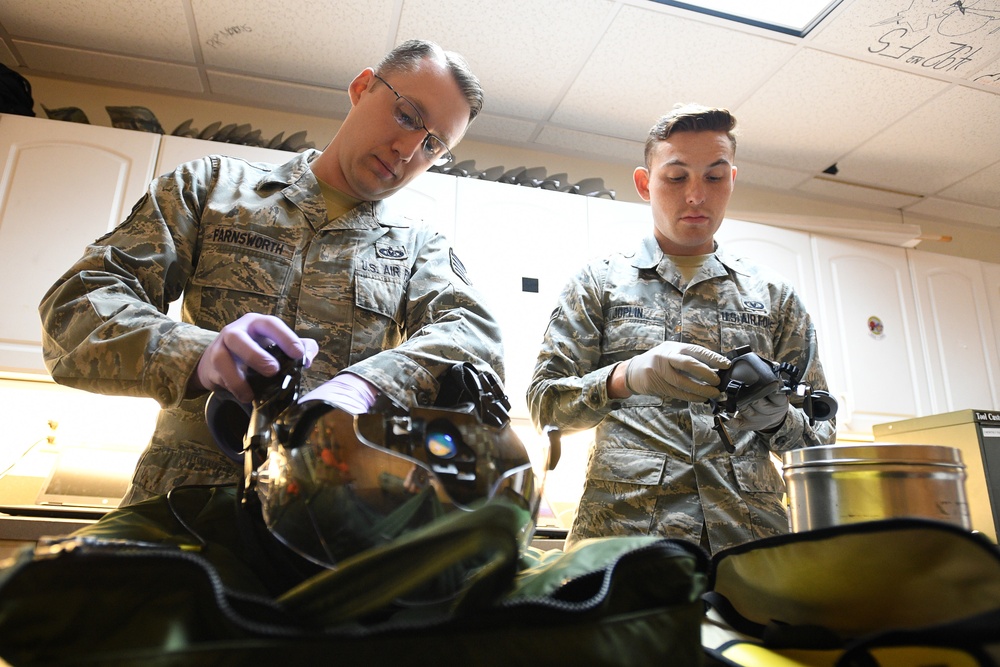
x,y
240,345
349,392
764,414
676,370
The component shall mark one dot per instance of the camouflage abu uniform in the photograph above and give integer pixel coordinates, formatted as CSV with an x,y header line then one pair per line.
x,y
239,238
656,466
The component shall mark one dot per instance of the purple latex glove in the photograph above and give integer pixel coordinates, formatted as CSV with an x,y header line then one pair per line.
x,y
351,393
240,345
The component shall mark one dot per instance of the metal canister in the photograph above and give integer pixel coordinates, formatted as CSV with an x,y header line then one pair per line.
x,y
832,485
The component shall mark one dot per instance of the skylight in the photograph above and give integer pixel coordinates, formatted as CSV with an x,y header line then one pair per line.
x,y
792,17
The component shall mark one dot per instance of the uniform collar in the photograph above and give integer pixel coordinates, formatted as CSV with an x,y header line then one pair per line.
x,y
299,185
650,256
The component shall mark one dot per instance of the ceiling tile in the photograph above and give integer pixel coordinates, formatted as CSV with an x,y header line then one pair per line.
x,y
154,28
649,60
611,148
306,99
820,123
979,188
320,42
751,173
951,210
989,75
523,51
857,194
925,36
89,65
949,138
487,126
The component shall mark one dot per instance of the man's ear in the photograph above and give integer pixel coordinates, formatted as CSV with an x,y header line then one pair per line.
x,y
641,178
360,84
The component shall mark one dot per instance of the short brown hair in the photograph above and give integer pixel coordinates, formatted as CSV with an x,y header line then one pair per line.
x,y
406,56
691,118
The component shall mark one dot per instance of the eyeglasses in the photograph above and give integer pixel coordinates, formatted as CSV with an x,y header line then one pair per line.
x,y
408,118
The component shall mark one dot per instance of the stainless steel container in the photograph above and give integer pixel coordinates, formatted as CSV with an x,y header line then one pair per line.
x,y
836,484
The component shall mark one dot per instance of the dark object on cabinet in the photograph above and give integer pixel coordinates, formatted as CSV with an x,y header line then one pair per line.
x,y
15,93
135,118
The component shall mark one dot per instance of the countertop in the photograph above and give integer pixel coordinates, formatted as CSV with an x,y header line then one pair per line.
x,y
30,528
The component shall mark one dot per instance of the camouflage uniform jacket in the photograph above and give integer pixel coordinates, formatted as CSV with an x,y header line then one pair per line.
x,y
656,466
385,298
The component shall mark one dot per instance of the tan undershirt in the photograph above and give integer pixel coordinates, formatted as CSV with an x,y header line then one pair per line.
x,y
337,203
688,265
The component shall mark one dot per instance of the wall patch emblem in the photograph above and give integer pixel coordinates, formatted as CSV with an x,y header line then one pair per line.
x,y
876,329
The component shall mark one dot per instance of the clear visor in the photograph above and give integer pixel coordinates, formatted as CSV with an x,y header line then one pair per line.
x,y
341,484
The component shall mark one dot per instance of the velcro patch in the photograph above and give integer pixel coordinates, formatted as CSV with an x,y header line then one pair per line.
x,y
389,251
250,240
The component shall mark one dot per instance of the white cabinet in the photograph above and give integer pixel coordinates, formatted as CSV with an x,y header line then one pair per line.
x,y
616,226
520,246
872,352
431,197
63,185
960,342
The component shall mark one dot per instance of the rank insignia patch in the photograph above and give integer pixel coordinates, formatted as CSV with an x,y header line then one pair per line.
x,y
458,267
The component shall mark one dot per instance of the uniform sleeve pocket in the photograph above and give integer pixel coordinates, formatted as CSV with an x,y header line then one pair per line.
x,y
757,475
632,466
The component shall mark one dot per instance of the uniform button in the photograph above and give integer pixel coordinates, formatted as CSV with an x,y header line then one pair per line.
x,y
677,329
165,395
423,398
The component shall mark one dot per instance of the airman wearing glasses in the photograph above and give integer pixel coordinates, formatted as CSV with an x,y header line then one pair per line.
x,y
311,255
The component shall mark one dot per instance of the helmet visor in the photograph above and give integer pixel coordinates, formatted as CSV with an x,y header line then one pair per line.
x,y
340,484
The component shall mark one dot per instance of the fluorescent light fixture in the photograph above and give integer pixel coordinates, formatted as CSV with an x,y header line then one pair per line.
x,y
792,17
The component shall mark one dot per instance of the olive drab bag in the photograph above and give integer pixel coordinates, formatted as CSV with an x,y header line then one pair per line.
x,y
887,593
137,588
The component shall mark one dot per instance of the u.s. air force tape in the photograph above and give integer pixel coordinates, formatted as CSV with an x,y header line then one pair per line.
x,y
458,267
